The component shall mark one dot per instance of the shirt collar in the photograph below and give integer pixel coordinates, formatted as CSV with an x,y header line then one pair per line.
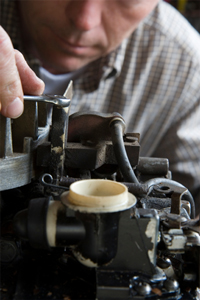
x,y
104,68
116,60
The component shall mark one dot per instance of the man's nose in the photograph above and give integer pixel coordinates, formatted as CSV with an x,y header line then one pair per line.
x,y
85,14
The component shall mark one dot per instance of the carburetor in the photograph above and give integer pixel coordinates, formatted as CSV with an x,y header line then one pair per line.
x,y
85,217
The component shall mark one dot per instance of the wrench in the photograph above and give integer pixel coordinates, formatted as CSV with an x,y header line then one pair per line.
x,y
53,99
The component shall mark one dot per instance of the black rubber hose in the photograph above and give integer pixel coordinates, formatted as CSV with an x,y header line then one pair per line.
x,y
187,196
117,128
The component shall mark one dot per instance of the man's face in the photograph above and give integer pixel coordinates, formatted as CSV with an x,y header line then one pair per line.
x,y
68,34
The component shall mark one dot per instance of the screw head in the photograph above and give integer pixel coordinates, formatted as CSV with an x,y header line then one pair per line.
x,y
171,285
143,288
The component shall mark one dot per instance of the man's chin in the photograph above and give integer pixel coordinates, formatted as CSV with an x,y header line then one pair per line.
x,y
65,66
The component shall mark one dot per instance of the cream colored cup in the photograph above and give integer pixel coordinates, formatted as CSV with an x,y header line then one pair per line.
x,y
98,195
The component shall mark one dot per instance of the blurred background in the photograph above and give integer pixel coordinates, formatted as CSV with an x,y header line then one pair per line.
x,y
190,9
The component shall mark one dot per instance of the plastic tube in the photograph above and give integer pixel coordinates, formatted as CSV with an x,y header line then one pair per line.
x,y
117,128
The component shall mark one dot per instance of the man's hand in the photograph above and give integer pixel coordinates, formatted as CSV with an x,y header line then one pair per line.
x,y
16,79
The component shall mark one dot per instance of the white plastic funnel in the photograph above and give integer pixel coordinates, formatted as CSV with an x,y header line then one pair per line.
x,y
97,195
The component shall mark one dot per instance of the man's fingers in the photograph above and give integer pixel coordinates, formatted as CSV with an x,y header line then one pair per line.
x,y
16,78
11,94
31,84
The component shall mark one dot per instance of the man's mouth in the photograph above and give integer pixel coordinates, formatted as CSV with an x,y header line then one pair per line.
x,y
74,48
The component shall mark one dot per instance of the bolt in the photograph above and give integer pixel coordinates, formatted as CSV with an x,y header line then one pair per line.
x,y
163,263
143,288
171,285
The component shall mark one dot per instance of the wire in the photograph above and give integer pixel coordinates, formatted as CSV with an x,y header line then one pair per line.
x,y
117,129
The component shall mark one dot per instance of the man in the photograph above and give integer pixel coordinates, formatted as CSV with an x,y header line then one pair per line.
x,y
70,34
137,57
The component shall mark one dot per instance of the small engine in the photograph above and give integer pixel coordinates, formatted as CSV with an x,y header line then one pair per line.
x,y
84,216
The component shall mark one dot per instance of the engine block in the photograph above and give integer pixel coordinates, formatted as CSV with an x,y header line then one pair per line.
x,y
84,216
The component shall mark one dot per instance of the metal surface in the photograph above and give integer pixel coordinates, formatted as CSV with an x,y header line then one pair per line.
x,y
16,169
153,165
25,126
59,137
90,128
6,147
53,99
143,288
167,186
171,285
8,139
87,157
175,240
